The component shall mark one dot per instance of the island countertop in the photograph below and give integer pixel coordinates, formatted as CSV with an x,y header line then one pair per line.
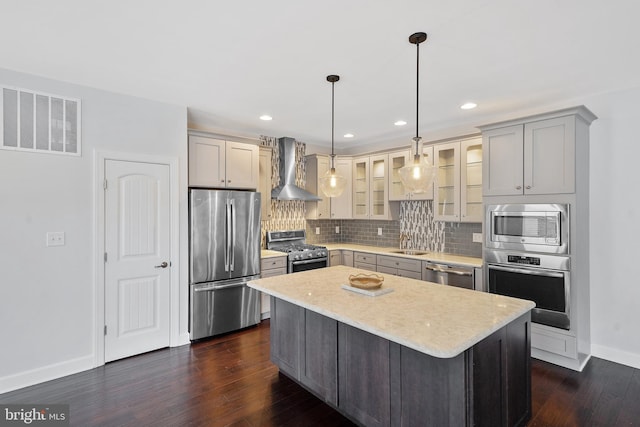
x,y
441,321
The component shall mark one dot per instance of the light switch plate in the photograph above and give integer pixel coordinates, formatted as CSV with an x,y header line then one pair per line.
x,y
55,238
337,229
317,230
379,231
477,237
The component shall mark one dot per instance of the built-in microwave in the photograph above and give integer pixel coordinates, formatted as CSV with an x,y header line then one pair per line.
x,y
528,227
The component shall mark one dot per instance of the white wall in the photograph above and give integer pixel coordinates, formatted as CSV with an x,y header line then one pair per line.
x,y
47,294
615,226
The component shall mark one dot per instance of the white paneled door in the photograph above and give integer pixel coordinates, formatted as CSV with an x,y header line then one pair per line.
x,y
137,264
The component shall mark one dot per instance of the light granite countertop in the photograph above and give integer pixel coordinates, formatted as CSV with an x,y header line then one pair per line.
x,y
442,321
431,256
266,253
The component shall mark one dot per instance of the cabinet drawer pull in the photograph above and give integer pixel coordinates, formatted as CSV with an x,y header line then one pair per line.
x,y
528,187
519,187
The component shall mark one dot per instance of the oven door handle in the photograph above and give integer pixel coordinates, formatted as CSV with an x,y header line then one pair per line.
x,y
309,261
546,273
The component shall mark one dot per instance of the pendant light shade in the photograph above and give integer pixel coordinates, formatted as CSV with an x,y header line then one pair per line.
x,y
418,173
331,183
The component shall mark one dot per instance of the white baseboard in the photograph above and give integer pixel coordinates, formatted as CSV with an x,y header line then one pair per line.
x,y
46,373
617,356
183,339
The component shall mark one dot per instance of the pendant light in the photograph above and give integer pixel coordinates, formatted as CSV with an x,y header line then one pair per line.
x,y
332,184
417,175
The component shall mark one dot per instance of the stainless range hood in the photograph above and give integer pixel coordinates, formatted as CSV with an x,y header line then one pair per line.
x,y
288,190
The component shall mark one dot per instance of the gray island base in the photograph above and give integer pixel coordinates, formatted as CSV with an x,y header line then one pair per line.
x,y
423,355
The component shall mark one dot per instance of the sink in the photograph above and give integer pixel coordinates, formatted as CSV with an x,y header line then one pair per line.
x,y
409,252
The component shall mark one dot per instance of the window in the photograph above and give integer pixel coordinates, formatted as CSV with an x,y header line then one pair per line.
x,y
39,122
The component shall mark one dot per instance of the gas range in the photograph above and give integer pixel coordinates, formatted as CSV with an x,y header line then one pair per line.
x,y
301,255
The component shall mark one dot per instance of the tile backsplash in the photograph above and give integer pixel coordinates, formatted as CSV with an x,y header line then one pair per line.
x,y
434,236
416,220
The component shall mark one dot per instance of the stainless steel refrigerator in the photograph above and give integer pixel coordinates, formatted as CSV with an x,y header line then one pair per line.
x,y
224,253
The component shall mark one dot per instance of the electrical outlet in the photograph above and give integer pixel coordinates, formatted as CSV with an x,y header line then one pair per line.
x,y
55,238
379,231
477,237
337,229
317,230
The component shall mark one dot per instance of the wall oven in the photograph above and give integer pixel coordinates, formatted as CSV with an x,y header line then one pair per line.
x,y
528,227
543,279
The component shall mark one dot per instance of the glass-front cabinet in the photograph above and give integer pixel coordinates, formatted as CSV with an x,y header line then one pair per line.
x,y
371,187
361,188
397,191
447,189
471,180
458,191
379,187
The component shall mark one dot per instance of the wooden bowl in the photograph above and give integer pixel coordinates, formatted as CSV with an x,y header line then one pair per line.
x,y
366,281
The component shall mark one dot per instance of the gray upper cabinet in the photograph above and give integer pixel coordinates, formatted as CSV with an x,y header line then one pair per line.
x,y
502,160
214,163
534,156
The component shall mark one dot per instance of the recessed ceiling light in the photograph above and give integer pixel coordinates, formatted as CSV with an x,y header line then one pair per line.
x,y
400,123
349,135
266,117
468,105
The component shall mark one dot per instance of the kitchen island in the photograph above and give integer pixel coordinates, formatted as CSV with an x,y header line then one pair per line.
x,y
423,354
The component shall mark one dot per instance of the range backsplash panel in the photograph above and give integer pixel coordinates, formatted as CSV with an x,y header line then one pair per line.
x,y
285,214
416,222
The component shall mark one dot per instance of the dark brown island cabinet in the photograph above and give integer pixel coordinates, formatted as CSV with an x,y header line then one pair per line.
x,y
376,382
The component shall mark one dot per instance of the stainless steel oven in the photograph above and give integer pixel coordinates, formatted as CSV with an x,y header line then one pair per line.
x,y
308,264
301,255
528,227
543,279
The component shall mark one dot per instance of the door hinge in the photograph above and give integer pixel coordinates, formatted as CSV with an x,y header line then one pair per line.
x,y
104,184
105,257
105,329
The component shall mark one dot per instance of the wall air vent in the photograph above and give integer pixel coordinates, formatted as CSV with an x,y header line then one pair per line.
x,y
39,122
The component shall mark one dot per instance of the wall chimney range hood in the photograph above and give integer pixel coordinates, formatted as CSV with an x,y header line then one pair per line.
x,y
288,190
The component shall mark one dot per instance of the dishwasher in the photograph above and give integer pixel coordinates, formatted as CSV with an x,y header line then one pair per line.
x,y
453,275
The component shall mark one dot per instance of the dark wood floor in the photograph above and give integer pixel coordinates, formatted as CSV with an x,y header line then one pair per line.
x,y
230,381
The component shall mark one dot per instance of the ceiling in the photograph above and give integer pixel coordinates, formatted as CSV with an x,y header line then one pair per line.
x,y
230,61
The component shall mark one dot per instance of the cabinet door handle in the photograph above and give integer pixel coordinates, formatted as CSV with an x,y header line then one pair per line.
x,y
228,180
222,180
528,187
519,187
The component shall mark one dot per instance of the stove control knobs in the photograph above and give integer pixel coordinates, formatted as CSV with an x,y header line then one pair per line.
x,y
323,253
296,257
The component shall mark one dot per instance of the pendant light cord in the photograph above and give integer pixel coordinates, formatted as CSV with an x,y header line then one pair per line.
x,y
417,90
332,127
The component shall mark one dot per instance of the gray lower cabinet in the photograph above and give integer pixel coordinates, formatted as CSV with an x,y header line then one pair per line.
x,y
286,336
364,372
304,345
318,357
376,382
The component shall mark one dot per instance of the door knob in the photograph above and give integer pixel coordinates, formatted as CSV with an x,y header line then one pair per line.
x,y
163,265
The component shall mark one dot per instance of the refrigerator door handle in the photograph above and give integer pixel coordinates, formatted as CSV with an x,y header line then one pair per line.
x,y
227,236
233,235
